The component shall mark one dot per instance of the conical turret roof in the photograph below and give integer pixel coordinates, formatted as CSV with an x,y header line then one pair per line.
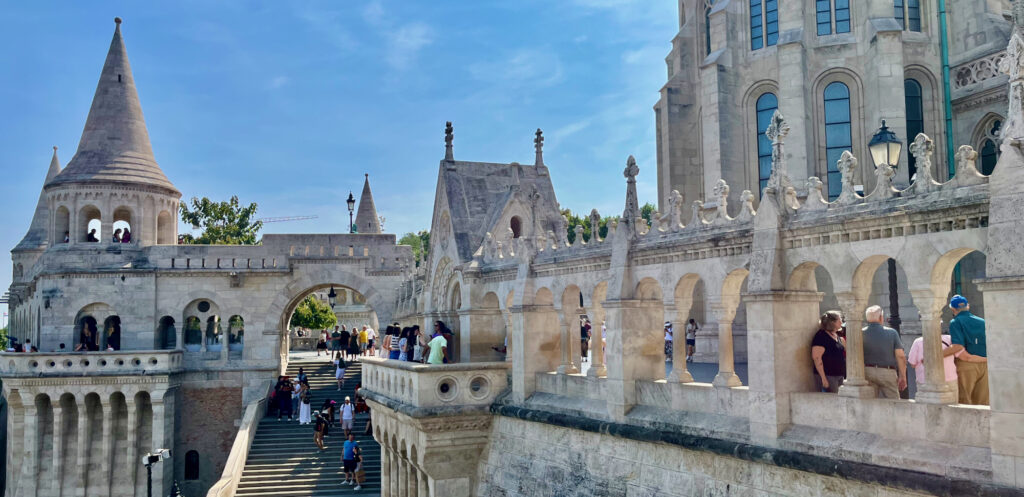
x,y
37,238
115,143
366,216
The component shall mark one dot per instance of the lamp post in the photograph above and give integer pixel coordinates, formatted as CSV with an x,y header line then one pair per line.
x,y
351,207
885,150
332,297
148,461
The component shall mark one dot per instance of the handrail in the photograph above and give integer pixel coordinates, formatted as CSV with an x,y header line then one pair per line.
x,y
229,479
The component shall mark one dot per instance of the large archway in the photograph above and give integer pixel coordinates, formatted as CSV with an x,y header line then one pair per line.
x,y
352,311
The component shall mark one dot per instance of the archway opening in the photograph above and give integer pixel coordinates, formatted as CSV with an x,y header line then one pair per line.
x,y
213,334
516,225
193,334
112,333
166,334
62,225
123,225
236,333
310,312
165,229
89,228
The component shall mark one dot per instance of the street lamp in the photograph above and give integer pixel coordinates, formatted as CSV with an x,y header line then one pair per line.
x,y
332,297
148,461
885,150
351,207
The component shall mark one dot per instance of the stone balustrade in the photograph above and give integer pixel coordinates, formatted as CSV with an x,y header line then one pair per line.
x,y
978,70
432,386
139,362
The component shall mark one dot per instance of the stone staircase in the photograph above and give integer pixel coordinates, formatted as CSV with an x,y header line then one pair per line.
x,y
284,460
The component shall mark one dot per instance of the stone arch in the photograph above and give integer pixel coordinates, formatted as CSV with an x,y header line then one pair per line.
x,y
89,219
124,219
810,276
111,335
61,225
200,317
88,324
166,336
165,229
857,134
236,333
725,312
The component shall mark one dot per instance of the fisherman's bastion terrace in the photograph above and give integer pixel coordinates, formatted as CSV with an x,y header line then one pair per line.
x,y
838,237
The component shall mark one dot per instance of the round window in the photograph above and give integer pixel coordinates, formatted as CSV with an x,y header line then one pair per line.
x,y
447,389
203,306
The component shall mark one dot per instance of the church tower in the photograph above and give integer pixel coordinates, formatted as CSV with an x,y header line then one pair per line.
x,y
113,181
367,221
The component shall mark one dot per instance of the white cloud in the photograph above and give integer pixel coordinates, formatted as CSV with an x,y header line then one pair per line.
x,y
535,67
406,42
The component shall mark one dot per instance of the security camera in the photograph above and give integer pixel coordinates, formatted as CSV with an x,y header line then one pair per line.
x,y
156,456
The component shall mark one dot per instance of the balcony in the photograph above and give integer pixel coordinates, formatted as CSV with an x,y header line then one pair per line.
x,y
126,363
430,387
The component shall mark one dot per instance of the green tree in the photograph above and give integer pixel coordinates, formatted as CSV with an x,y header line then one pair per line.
x,y
576,220
646,212
223,223
420,243
3,338
313,314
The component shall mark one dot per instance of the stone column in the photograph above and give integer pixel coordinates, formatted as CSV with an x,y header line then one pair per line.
x,y
567,366
83,440
853,310
133,438
402,475
534,354
409,488
414,480
107,461
680,372
638,358
58,445
424,484
179,331
28,483
385,471
934,389
226,332
724,311
396,471
163,438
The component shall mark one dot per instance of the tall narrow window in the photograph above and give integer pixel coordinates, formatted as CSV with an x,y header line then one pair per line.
x,y
988,157
908,14
764,23
823,11
707,25
915,119
191,465
766,106
838,133
842,16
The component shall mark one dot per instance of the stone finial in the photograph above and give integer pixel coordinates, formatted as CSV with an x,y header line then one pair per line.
x,y
449,137
815,196
595,226
631,214
847,165
747,206
790,199
538,146
675,213
922,149
883,183
655,223
697,219
721,191
613,226
777,131
488,247
578,231
563,233
500,249
510,235
966,168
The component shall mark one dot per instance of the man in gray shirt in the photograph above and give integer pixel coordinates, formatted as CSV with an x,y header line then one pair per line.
x,y
885,362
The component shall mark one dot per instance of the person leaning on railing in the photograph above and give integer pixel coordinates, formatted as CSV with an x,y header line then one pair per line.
x,y
885,361
828,353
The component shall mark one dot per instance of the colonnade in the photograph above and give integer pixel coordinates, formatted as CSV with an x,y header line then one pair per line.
x,y
401,477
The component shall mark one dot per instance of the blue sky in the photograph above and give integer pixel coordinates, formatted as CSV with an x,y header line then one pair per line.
x,y
287,104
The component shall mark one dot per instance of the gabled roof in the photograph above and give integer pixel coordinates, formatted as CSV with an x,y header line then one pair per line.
x,y
115,144
37,238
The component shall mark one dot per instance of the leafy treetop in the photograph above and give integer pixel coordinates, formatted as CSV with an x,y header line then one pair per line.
x,y
420,243
313,314
223,223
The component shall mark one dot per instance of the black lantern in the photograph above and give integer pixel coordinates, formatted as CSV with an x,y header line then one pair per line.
x,y
351,207
332,297
885,147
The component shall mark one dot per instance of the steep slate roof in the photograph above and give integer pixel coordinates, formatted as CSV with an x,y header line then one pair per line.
x,y
478,192
36,238
366,217
115,144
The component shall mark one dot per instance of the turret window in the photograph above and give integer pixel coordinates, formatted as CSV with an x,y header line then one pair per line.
x,y
764,23
838,133
908,14
766,107
827,11
914,104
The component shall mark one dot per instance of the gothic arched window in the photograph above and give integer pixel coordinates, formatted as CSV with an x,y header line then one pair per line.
x,y
764,23
989,149
914,104
838,133
192,465
908,14
766,107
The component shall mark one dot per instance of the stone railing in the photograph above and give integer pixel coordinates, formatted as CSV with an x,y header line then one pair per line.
x,y
978,70
228,483
136,362
435,386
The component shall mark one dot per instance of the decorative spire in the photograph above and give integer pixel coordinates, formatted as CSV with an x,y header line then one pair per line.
x,y
631,215
538,145
115,144
366,217
776,132
37,236
449,136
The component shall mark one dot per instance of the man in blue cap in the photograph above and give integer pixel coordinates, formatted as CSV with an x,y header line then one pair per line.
x,y
967,332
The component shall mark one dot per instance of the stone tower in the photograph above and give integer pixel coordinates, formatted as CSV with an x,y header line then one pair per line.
x,y
26,253
367,221
113,177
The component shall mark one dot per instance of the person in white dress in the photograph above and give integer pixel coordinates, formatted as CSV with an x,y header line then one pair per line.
x,y
305,412
339,370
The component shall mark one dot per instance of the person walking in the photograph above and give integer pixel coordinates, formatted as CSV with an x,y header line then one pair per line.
x,y
691,339
584,339
283,396
305,410
328,410
321,344
302,377
335,340
360,470
296,393
967,333
828,353
371,340
885,361
348,460
353,345
319,426
364,340
348,415
339,370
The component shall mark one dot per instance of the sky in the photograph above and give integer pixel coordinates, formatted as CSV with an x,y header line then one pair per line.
x,y
288,104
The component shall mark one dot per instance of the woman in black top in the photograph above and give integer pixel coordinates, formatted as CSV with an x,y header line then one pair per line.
x,y
828,353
